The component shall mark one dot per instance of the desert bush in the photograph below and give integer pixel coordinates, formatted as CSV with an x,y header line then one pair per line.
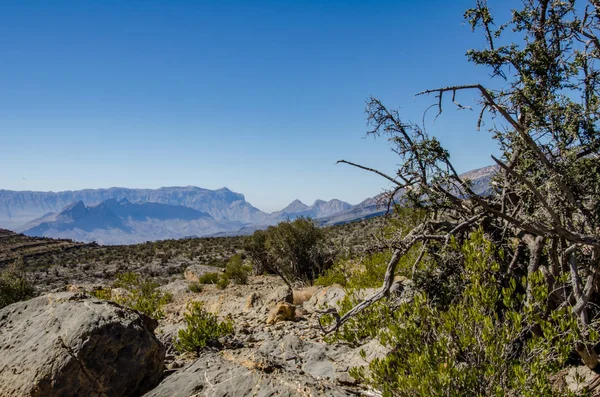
x,y
294,250
202,329
236,270
333,275
195,287
143,294
209,278
103,293
14,286
223,281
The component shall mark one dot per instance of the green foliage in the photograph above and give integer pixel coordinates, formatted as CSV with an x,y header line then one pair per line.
x,y
223,281
141,294
333,275
489,341
14,286
195,287
209,278
294,250
203,329
236,270
103,293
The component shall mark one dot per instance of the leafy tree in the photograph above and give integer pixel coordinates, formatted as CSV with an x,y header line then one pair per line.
x,y
294,250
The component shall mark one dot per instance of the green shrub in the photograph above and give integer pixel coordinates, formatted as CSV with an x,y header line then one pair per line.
x,y
14,286
488,341
209,278
294,250
195,287
333,275
202,329
236,270
143,294
223,281
103,293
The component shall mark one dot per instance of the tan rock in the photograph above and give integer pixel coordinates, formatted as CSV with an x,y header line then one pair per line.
x,y
252,301
283,311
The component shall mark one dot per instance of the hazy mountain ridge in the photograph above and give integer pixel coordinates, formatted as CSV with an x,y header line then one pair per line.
x,y
319,209
122,222
136,215
19,207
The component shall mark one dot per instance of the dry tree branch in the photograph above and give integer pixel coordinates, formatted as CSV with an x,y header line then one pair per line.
x,y
371,170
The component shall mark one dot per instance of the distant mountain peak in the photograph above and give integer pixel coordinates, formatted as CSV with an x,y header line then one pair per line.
x,y
295,206
76,205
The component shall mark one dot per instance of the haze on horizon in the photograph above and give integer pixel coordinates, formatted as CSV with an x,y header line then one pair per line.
x,y
260,98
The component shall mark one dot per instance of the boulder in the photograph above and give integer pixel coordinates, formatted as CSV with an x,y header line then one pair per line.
x,y
193,272
325,298
283,311
281,294
176,288
70,344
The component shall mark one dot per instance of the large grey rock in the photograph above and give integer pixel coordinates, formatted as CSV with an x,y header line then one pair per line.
x,y
280,294
325,298
241,375
69,344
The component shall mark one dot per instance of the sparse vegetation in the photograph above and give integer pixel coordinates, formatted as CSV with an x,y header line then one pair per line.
x,y
202,329
195,287
14,285
223,281
138,293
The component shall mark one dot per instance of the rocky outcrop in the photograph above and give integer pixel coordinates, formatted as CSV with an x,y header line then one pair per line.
x,y
236,374
192,273
70,344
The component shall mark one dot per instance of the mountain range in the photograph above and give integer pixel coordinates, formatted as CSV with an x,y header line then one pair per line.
x,y
127,216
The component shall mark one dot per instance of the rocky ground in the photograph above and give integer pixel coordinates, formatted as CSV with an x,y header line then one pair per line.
x,y
274,352
85,346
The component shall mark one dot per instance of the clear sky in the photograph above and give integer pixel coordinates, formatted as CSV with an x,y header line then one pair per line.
x,y
260,97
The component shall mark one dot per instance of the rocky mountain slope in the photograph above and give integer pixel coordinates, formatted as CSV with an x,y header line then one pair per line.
x,y
13,246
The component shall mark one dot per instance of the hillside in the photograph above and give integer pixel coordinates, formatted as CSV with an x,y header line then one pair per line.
x,y
14,245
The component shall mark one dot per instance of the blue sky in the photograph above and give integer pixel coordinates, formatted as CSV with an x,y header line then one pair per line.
x,y
260,97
